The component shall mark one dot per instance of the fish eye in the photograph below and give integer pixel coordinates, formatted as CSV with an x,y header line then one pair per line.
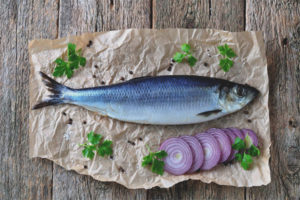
x,y
241,92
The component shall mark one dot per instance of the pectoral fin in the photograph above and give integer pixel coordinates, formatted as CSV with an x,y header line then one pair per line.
x,y
208,113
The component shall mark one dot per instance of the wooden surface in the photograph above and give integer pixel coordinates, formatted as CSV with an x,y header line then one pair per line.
x,y
21,21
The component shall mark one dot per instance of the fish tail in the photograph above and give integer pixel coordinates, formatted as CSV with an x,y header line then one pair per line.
x,y
56,90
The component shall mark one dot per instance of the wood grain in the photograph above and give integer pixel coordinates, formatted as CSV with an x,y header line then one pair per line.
x,y
280,23
77,17
20,177
23,20
198,14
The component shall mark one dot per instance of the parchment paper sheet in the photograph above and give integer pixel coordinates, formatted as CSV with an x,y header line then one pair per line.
x,y
145,52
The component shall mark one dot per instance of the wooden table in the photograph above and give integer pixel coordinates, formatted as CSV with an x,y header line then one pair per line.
x,y
21,21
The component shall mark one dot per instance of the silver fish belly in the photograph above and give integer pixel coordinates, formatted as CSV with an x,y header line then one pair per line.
x,y
165,100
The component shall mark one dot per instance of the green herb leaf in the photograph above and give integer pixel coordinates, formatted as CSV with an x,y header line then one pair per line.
x,y
59,61
82,61
74,60
238,156
69,72
94,138
238,144
226,51
59,71
248,141
178,57
71,49
158,166
88,152
230,53
186,48
192,60
222,50
147,160
94,144
105,148
161,154
254,151
246,161
154,159
226,64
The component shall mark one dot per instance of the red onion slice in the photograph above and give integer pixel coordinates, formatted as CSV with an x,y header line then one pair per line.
x,y
237,132
179,159
212,151
251,134
232,137
224,142
197,152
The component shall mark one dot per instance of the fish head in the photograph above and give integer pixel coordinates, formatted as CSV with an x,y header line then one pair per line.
x,y
233,97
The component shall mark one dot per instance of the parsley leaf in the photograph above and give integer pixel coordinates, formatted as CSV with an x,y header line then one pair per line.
x,y
245,151
88,152
147,160
246,161
186,48
67,67
94,144
226,51
161,154
254,151
179,57
94,138
158,166
226,63
155,160
238,156
105,148
238,144
192,60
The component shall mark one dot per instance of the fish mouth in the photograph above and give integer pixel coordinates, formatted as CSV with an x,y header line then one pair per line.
x,y
254,92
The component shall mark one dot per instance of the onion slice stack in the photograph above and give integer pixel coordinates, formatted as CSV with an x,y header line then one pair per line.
x,y
197,152
224,142
232,137
212,150
180,158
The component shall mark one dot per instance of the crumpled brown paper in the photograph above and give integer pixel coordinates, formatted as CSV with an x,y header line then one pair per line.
x,y
110,58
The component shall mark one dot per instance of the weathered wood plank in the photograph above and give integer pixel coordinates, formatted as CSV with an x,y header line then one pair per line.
x,y
228,15
225,14
180,14
76,17
20,177
280,23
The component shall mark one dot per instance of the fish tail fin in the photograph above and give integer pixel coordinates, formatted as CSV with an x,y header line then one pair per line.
x,y
55,88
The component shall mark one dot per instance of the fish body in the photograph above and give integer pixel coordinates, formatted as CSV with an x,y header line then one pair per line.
x,y
164,100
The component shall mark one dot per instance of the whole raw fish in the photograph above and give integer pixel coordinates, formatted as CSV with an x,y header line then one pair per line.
x,y
166,100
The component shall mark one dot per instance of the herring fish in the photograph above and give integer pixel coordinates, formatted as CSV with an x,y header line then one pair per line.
x,y
161,100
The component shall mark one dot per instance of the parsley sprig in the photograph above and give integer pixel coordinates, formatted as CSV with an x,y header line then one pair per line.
x,y
67,67
246,150
94,145
226,63
154,159
186,48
